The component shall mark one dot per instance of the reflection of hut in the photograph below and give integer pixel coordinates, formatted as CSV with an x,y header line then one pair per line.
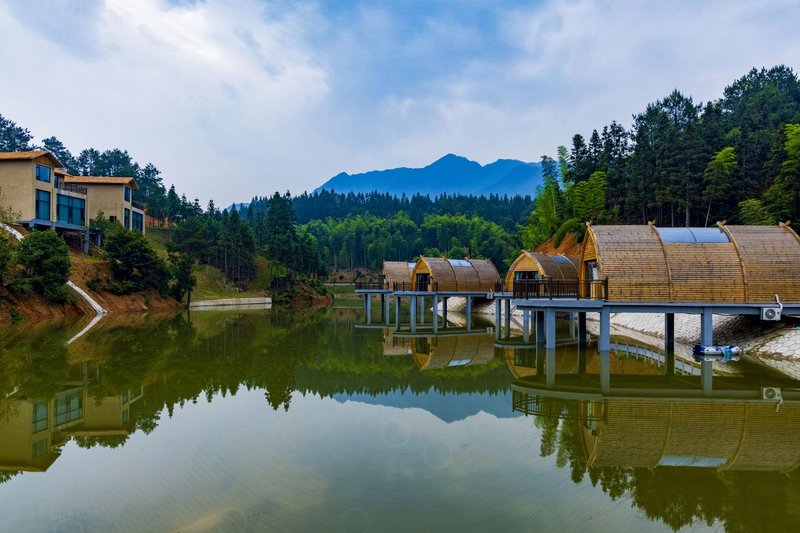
x,y
454,275
393,345
727,435
721,264
534,265
396,272
432,353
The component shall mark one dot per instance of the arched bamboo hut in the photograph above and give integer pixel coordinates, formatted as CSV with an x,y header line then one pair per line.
x,y
534,265
396,272
455,350
454,275
733,264
725,435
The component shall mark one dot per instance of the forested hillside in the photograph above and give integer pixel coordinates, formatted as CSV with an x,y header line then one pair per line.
x,y
683,162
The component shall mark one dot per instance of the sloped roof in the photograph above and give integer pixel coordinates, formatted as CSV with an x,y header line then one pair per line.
x,y
28,155
102,180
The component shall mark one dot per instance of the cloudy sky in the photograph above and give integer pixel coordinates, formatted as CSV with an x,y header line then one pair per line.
x,y
237,98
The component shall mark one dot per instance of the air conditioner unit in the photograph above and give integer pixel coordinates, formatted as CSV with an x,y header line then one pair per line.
x,y
771,393
770,313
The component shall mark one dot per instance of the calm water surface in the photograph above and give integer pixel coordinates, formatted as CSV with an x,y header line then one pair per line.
x,y
289,421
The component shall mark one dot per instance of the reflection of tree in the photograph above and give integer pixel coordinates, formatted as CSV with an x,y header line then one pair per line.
x,y
6,476
677,496
105,441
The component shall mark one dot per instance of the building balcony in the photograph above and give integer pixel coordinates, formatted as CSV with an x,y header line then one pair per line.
x,y
72,188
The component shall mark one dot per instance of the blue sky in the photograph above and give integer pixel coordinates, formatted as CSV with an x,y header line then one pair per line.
x,y
231,99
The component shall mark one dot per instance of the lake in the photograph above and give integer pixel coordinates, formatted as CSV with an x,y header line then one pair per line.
x,y
296,421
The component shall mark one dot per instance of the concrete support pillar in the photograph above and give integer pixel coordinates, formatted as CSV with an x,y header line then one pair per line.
x,y
435,313
86,241
444,311
386,309
368,307
550,367
605,371
526,325
707,327
573,325
498,309
396,311
413,318
707,339
540,333
707,378
582,333
604,343
582,356
422,309
469,312
669,344
508,317
550,327
540,357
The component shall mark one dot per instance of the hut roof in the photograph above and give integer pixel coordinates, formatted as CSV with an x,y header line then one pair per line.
x,y
735,436
459,275
548,266
721,264
454,350
397,272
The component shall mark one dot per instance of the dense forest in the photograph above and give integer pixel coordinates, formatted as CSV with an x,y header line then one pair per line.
x,y
681,162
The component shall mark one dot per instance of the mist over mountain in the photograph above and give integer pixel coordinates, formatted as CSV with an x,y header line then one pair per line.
x,y
452,174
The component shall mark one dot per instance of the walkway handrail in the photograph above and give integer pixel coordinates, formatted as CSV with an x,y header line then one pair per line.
x,y
407,286
369,285
550,289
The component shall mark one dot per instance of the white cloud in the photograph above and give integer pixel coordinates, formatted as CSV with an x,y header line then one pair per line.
x,y
244,98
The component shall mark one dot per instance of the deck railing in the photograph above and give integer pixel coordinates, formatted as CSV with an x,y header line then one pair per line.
x,y
369,285
137,205
550,289
407,286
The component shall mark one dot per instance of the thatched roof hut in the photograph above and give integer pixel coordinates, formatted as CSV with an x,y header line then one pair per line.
x,y
534,265
726,435
396,272
453,350
734,264
454,275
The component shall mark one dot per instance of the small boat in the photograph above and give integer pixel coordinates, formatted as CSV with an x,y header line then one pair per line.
x,y
716,353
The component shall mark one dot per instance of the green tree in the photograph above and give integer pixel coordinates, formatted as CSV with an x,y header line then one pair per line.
x,y
281,239
45,258
57,148
7,214
182,266
752,211
14,138
134,263
5,254
719,175
587,199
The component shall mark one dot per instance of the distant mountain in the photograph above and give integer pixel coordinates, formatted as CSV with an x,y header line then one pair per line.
x,y
452,174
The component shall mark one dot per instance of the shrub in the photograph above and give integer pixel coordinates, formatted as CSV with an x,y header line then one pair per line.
x,y
5,254
45,257
21,287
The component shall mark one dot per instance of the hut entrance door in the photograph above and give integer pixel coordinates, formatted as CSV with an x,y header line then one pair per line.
x,y
526,274
423,281
592,274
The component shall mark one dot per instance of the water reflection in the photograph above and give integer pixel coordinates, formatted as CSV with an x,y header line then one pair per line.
x,y
679,458
287,420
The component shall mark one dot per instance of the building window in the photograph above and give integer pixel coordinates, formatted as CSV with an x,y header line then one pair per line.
x,y
138,222
69,407
127,194
43,173
42,205
40,412
39,448
71,210
55,181
127,221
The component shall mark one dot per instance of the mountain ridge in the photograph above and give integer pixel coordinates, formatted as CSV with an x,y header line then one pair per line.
x,y
450,174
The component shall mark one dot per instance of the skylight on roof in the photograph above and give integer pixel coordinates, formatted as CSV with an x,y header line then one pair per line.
x,y
459,263
693,235
561,259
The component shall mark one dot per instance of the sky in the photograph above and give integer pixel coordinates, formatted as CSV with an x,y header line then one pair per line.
x,y
231,99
